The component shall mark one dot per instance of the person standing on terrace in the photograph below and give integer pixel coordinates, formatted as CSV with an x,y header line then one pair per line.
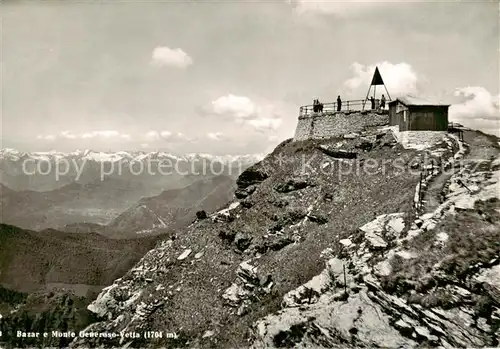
x,y
372,100
339,103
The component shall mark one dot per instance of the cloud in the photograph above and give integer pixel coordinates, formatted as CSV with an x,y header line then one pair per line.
x,y
235,106
400,79
67,134
216,136
265,124
100,134
260,116
153,135
46,137
107,134
479,109
164,56
168,136
342,8
178,137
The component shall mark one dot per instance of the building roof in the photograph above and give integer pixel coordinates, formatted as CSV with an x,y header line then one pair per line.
x,y
412,100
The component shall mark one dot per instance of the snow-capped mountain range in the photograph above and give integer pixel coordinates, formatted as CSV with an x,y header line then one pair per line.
x,y
126,156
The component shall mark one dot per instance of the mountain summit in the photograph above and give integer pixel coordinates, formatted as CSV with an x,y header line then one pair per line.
x,y
409,238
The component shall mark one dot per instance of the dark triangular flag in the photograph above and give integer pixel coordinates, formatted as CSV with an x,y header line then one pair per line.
x,y
377,78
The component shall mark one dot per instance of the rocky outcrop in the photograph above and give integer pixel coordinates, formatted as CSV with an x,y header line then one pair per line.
x,y
292,185
248,180
201,215
247,287
340,154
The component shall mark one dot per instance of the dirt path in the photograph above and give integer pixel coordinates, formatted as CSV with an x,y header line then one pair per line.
x,y
432,196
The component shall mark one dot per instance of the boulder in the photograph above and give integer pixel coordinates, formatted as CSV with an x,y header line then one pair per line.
x,y
327,197
279,243
317,218
250,177
365,145
184,254
242,193
247,203
242,241
226,217
341,154
227,235
280,203
292,185
248,274
375,241
201,214
351,135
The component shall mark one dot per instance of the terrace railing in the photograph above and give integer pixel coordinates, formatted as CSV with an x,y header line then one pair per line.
x,y
353,105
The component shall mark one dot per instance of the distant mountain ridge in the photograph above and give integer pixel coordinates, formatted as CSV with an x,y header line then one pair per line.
x,y
175,208
45,171
98,156
97,202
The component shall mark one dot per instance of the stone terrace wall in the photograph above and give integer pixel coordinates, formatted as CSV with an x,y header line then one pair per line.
x,y
417,139
421,139
326,125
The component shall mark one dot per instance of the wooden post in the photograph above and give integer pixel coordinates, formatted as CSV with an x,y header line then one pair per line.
x,y
345,281
420,190
347,105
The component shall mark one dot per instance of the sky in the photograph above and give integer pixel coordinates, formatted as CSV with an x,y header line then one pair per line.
x,y
228,77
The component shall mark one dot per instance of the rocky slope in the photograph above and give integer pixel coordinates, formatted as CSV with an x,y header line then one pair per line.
x,y
38,313
434,282
219,276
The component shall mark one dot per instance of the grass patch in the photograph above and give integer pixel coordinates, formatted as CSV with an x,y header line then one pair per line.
x,y
474,242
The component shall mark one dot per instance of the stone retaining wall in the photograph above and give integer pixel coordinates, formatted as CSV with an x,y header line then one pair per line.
x,y
421,140
326,125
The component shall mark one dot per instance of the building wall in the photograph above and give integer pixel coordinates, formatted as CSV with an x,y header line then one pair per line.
x,y
398,115
336,124
426,118
418,118
393,119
